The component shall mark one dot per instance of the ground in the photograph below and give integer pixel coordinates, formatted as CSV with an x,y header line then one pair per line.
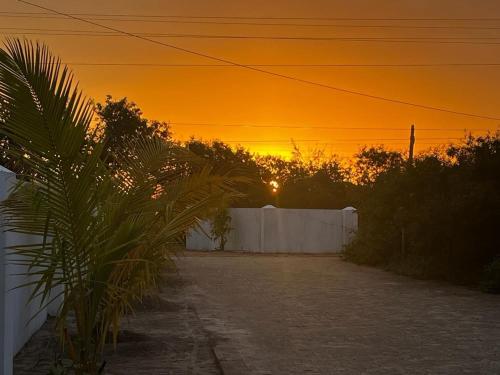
x,y
321,315
163,336
278,314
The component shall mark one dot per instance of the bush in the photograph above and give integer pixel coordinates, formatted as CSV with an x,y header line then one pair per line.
x,y
221,226
491,277
435,219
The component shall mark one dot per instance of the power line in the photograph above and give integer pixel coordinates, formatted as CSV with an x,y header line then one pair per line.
x,y
272,140
169,21
358,142
174,21
426,140
433,40
339,141
270,73
41,14
317,127
188,65
284,65
439,40
17,28
342,140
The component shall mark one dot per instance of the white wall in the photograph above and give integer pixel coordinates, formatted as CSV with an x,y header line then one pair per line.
x,y
15,311
246,235
271,230
199,238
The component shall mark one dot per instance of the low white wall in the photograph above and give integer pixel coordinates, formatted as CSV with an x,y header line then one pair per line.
x,y
246,235
199,238
16,323
270,230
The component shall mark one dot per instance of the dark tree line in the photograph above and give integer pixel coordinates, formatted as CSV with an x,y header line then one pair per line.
x,y
437,218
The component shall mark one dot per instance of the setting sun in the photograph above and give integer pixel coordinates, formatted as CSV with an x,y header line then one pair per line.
x,y
275,187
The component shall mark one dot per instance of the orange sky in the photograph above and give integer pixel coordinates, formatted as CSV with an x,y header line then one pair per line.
x,y
231,95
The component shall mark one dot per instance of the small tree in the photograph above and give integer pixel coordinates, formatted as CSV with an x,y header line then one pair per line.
x,y
221,226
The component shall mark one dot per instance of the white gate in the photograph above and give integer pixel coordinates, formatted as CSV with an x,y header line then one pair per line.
x,y
271,230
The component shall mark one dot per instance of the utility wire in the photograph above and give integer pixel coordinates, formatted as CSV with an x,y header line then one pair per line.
x,y
17,28
270,73
340,140
108,17
243,36
338,143
317,127
272,140
260,18
284,65
438,40
315,142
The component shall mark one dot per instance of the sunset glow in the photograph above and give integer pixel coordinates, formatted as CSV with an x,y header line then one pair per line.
x,y
277,187
262,112
274,186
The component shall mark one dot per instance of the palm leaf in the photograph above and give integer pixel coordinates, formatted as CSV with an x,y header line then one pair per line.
x,y
106,235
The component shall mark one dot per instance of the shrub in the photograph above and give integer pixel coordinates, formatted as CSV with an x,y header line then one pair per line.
x,y
221,226
491,277
434,219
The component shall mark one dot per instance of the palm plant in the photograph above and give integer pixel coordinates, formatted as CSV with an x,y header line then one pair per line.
x,y
105,235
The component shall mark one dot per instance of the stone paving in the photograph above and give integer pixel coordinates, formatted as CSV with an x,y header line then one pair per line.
x,y
164,336
243,314
320,315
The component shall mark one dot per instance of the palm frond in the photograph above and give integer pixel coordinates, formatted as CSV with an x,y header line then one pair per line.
x,y
106,235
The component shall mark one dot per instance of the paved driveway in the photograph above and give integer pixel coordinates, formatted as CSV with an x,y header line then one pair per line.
x,y
320,315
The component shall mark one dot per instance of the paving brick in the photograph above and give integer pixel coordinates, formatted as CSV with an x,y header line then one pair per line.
x,y
164,336
321,315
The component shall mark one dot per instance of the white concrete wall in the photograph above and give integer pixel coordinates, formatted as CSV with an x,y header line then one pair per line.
x,y
294,230
16,323
271,230
246,229
199,238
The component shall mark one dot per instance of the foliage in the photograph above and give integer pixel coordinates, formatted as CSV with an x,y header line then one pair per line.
x,y
61,367
372,161
436,218
318,182
281,170
225,160
491,278
106,234
221,226
17,165
315,183
322,186
121,121
432,219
